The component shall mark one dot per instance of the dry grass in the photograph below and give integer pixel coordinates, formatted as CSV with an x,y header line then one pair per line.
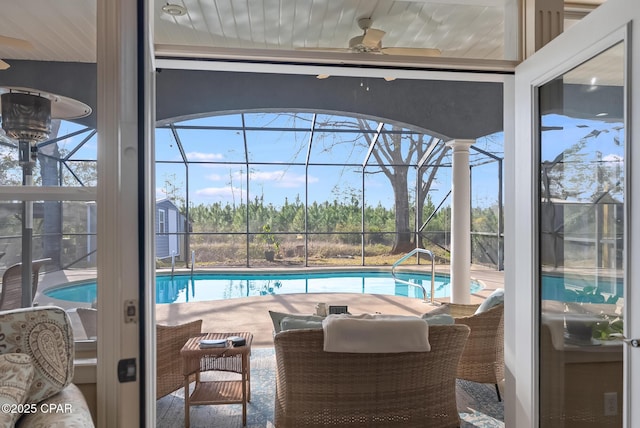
x,y
233,252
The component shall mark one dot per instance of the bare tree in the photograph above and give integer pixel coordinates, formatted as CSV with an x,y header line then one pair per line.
x,y
394,153
394,160
48,157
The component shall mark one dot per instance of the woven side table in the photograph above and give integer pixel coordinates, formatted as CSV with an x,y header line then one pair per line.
x,y
231,359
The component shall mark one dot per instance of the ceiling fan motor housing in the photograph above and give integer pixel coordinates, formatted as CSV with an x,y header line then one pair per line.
x,y
365,23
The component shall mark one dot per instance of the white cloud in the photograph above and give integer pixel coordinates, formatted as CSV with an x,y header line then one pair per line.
x,y
197,156
220,192
280,178
613,158
214,177
267,175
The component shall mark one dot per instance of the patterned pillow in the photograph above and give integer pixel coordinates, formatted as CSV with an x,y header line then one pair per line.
x,y
16,375
45,334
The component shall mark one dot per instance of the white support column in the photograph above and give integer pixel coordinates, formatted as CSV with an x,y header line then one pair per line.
x,y
460,222
119,403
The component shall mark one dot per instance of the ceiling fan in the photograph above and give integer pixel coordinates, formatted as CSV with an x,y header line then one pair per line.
x,y
371,42
12,42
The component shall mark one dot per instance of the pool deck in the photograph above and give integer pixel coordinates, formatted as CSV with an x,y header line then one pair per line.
x,y
252,313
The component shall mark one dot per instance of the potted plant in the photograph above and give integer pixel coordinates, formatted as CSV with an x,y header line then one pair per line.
x,y
272,245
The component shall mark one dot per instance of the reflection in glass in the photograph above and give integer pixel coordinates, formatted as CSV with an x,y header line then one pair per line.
x,y
581,213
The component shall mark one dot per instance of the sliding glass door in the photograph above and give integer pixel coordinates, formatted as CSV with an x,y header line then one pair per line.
x,y
581,206
573,239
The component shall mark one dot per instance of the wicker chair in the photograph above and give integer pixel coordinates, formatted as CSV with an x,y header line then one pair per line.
x,y
327,389
11,295
483,358
169,342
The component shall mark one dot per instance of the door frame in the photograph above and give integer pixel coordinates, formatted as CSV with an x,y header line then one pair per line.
x,y
607,25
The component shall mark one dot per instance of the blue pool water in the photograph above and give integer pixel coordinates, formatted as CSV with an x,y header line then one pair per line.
x,y
575,288
204,287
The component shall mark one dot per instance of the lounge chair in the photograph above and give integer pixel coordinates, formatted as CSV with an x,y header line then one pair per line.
x,y
11,294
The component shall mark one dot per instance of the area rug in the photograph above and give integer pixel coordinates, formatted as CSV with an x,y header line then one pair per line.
x,y
477,403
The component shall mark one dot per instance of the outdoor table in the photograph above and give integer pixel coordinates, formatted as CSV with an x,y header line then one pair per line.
x,y
229,358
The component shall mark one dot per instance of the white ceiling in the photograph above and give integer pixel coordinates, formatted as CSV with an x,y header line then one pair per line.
x,y
474,29
65,30
58,30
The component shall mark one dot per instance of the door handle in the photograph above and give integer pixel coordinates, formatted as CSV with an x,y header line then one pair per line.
x,y
635,343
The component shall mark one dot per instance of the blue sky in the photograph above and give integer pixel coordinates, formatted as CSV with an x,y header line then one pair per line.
x,y
276,179
590,147
228,183
271,178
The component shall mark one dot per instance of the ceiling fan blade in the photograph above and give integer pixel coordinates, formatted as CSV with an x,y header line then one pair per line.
x,y
3,65
15,43
372,37
411,51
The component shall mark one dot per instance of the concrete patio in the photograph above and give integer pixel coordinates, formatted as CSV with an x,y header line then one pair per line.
x,y
252,313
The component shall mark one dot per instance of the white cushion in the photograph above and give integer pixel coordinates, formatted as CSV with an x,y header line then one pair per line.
x,y
494,299
375,333
292,323
438,319
276,318
442,309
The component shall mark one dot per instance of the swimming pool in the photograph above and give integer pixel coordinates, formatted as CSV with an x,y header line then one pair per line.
x,y
580,287
218,286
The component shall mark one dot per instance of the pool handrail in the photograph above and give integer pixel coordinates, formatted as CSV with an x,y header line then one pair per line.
x,y
173,263
402,281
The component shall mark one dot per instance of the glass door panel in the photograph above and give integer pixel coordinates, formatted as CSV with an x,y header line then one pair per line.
x,y
581,168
